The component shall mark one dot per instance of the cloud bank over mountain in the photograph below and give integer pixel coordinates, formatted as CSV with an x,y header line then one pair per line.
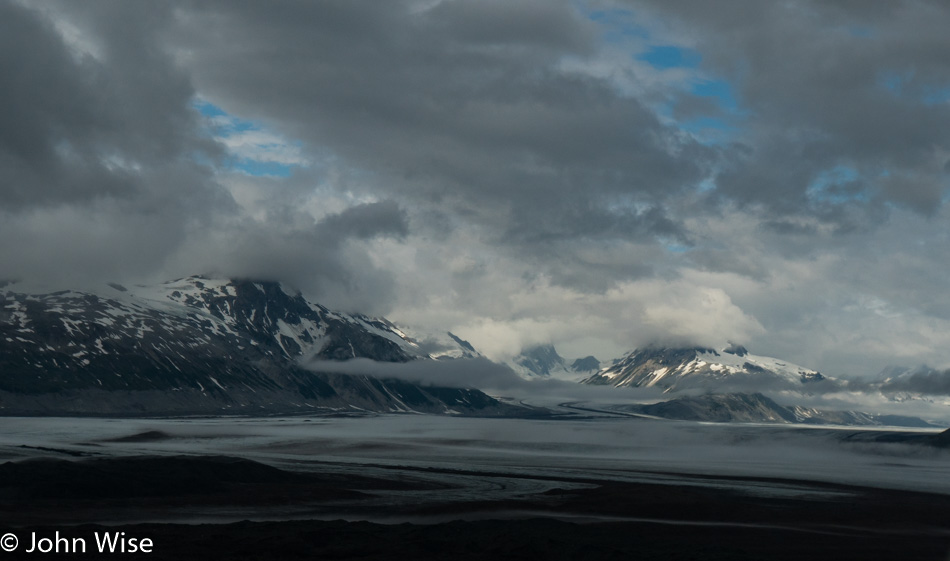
x,y
600,175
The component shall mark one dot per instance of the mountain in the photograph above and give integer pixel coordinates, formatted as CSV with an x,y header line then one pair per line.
x,y
544,361
719,408
894,373
907,384
734,382
757,408
732,368
442,345
540,360
588,364
201,346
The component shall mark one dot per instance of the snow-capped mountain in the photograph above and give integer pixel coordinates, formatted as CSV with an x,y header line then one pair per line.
x,y
895,373
441,345
544,361
902,384
731,382
675,369
921,384
540,360
202,345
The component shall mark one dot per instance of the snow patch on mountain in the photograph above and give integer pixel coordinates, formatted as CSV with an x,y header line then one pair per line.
x,y
199,345
544,361
681,368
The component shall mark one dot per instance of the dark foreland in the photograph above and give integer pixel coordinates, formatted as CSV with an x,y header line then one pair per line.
x,y
303,492
341,517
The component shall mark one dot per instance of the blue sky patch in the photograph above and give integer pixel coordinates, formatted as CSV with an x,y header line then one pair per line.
x,y
258,168
252,148
208,109
705,124
900,84
670,56
837,185
936,96
894,81
676,248
719,89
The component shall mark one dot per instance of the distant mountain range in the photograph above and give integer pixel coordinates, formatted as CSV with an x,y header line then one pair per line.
x,y
544,361
221,346
732,384
201,346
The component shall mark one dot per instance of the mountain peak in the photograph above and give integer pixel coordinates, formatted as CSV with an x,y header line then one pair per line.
x,y
462,342
541,360
587,364
696,367
737,350
545,361
199,344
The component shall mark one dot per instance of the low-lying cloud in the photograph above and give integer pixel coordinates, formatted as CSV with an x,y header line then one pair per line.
x,y
929,382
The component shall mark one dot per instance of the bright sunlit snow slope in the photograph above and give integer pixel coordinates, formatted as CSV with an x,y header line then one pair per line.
x,y
686,368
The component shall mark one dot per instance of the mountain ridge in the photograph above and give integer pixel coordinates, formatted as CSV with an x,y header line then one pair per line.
x,y
678,368
199,345
543,361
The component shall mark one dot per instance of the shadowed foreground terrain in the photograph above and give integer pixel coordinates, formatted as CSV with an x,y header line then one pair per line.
x,y
401,512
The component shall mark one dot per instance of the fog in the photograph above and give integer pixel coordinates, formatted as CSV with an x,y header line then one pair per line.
x,y
492,378
499,380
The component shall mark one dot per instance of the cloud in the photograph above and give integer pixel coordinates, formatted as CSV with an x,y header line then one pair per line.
x,y
828,85
250,146
632,314
107,170
498,379
519,172
328,258
696,315
95,170
493,378
476,119
928,382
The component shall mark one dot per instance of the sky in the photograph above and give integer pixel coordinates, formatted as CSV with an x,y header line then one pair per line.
x,y
599,175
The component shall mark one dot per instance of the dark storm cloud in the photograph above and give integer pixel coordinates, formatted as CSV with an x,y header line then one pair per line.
x,y
820,85
97,140
928,382
531,164
76,127
105,167
323,258
51,117
364,222
464,105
